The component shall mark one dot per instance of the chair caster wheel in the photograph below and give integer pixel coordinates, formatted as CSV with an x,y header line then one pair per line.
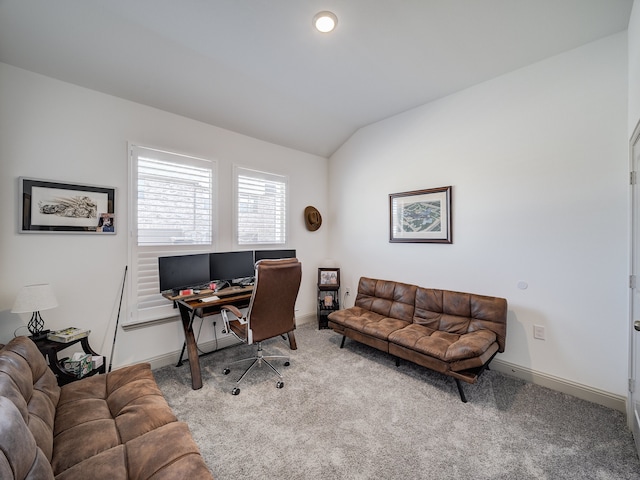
x,y
280,384
235,391
286,364
226,371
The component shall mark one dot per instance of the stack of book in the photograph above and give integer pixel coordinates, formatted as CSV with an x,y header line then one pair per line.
x,y
67,335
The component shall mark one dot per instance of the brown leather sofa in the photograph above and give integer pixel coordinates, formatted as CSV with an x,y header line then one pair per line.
x,y
454,333
113,426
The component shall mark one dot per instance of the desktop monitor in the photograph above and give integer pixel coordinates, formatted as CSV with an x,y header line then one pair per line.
x,y
183,271
231,266
274,254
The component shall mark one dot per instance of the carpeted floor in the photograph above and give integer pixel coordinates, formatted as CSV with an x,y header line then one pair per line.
x,y
352,414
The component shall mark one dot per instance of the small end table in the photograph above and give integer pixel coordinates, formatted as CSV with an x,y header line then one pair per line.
x,y
50,350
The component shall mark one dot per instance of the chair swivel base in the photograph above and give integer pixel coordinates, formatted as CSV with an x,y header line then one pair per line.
x,y
259,359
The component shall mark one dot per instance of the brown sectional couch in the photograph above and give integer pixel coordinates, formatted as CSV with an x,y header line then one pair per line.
x,y
454,333
113,426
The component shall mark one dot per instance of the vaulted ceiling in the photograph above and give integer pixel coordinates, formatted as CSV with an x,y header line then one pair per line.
x,y
257,67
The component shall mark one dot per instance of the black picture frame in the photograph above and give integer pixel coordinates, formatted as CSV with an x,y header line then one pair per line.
x,y
54,207
421,216
328,278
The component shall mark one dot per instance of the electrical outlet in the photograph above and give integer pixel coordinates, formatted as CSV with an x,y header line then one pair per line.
x,y
538,332
347,291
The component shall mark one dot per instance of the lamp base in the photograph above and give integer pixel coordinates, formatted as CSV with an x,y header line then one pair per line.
x,y
39,336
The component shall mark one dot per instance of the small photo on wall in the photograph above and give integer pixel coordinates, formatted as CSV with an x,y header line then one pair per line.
x,y
106,223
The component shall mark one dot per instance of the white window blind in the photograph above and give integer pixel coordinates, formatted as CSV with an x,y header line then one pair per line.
x,y
261,207
171,214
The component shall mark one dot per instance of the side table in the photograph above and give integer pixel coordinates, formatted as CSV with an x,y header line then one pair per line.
x,y
328,301
328,294
50,350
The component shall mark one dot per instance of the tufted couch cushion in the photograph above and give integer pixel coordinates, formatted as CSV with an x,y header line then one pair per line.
x,y
27,381
461,313
20,457
113,426
388,299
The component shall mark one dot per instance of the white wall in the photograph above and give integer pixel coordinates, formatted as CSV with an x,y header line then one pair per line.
x,y
58,131
538,162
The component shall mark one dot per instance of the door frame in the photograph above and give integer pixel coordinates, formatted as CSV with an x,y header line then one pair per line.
x,y
634,355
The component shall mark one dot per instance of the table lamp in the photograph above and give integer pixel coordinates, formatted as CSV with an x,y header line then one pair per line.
x,y
34,298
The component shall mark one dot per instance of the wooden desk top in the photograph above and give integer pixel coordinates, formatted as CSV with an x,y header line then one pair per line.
x,y
226,295
225,292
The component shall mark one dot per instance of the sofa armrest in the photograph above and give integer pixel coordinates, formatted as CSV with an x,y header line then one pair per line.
x,y
470,344
20,457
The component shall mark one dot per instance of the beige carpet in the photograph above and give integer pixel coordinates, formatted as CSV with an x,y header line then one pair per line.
x,y
352,414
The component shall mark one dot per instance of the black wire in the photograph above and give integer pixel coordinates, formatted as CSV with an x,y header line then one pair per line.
x,y
215,334
21,326
198,336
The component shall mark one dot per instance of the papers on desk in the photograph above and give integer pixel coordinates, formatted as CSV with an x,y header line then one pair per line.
x,y
212,298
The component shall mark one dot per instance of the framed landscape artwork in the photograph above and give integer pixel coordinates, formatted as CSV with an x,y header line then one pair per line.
x,y
56,207
421,216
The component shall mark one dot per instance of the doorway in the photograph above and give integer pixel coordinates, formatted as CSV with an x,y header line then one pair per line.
x,y
633,409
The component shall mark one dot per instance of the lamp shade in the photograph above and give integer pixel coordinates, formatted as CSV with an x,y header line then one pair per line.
x,y
34,298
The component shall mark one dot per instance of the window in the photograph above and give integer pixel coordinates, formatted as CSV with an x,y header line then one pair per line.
x,y
261,207
171,214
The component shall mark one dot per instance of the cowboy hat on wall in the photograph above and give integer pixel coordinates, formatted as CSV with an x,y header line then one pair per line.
x,y
312,218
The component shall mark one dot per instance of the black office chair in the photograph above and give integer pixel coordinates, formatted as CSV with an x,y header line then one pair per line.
x,y
270,314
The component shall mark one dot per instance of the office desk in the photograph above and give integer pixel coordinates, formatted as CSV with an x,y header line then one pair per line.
x,y
191,306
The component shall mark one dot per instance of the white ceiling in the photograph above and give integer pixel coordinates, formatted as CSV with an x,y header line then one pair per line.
x,y
258,68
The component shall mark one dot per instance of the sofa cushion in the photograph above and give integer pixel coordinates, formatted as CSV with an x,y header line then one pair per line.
x,y
389,299
167,452
104,411
20,457
368,322
443,345
472,344
27,381
460,313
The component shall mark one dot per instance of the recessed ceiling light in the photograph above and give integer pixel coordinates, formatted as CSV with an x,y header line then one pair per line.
x,y
325,22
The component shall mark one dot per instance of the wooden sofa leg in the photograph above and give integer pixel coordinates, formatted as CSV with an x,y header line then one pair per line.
x,y
462,396
344,337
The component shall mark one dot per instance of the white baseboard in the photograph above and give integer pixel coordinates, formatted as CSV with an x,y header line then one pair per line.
x,y
172,358
225,341
306,318
584,392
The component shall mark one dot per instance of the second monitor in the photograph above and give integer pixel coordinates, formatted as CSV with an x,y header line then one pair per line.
x,y
234,267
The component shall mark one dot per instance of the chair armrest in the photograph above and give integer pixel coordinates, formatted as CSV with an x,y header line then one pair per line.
x,y
224,313
233,309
